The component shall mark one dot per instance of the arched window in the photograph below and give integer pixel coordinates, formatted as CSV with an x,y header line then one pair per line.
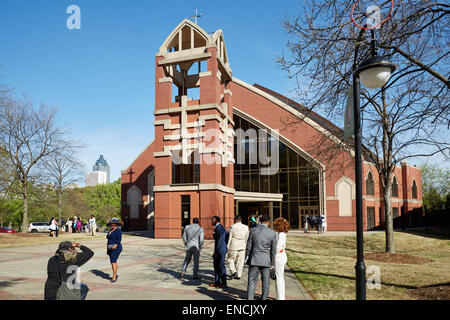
x,y
344,190
134,197
414,190
370,184
394,187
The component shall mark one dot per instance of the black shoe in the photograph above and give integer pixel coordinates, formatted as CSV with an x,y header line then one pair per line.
x,y
233,276
238,278
196,278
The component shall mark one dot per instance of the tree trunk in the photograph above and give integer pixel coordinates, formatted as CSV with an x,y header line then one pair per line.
x,y
59,204
389,232
25,208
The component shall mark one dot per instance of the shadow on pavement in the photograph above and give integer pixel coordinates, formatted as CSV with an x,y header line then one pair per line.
x,y
207,277
4,284
101,274
216,294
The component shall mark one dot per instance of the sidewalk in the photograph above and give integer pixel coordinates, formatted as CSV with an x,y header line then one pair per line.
x,y
148,270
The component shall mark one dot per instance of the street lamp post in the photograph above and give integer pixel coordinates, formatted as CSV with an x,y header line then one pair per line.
x,y
374,72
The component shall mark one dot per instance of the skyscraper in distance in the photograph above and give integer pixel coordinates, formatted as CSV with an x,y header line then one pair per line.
x,y
101,165
99,174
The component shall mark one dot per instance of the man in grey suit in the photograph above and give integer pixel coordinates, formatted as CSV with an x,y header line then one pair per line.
x,y
260,256
193,238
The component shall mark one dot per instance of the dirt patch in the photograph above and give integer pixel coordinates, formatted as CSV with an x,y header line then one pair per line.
x,y
29,235
396,258
29,239
433,292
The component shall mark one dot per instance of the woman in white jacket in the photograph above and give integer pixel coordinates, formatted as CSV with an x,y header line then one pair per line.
x,y
281,226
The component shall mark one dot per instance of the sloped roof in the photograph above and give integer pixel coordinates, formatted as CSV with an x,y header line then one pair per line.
x,y
338,132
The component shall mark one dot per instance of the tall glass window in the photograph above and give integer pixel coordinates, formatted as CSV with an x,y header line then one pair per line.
x,y
186,173
297,179
414,190
370,184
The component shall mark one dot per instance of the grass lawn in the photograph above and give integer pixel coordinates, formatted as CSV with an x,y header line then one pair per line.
x,y
325,266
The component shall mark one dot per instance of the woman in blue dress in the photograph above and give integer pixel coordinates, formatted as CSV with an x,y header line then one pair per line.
x,y
114,237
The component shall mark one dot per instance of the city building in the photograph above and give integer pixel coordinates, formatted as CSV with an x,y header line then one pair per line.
x,y
99,174
102,165
188,172
95,178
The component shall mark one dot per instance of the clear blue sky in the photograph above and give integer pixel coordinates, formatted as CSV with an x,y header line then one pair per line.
x,y
101,77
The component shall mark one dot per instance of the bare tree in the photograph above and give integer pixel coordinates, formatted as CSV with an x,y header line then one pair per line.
x,y
409,116
5,92
6,173
27,135
63,169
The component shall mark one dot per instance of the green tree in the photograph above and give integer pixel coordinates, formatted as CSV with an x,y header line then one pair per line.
x,y
432,199
435,185
10,211
104,200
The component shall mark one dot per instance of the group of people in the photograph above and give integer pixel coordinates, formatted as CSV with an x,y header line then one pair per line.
x,y
258,246
62,281
315,221
73,225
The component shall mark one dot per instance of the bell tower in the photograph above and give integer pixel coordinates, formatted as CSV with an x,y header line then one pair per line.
x,y
193,131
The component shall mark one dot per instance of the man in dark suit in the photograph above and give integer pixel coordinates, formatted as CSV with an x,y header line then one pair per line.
x,y
220,250
260,256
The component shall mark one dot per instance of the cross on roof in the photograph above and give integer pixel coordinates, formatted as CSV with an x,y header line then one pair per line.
x,y
131,175
197,15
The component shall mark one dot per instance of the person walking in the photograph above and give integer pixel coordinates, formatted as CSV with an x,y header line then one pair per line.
x,y
193,238
236,248
114,245
221,237
93,225
306,223
87,226
57,228
61,268
75,220
319,224
260,256
324,224
69,225
252,221
63,225
125,224
79,225
52,227
281,226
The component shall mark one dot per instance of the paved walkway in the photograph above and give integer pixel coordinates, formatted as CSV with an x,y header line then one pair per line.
x,y
148,269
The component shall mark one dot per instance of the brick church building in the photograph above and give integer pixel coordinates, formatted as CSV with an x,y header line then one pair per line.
x,y
188,172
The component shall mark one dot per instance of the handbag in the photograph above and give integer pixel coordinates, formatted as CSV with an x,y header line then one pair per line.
x,y
273,276
65,292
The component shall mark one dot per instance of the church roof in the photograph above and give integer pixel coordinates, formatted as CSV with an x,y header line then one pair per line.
x,y
307,112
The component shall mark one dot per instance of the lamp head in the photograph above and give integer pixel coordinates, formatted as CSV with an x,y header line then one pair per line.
x,y
375,72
